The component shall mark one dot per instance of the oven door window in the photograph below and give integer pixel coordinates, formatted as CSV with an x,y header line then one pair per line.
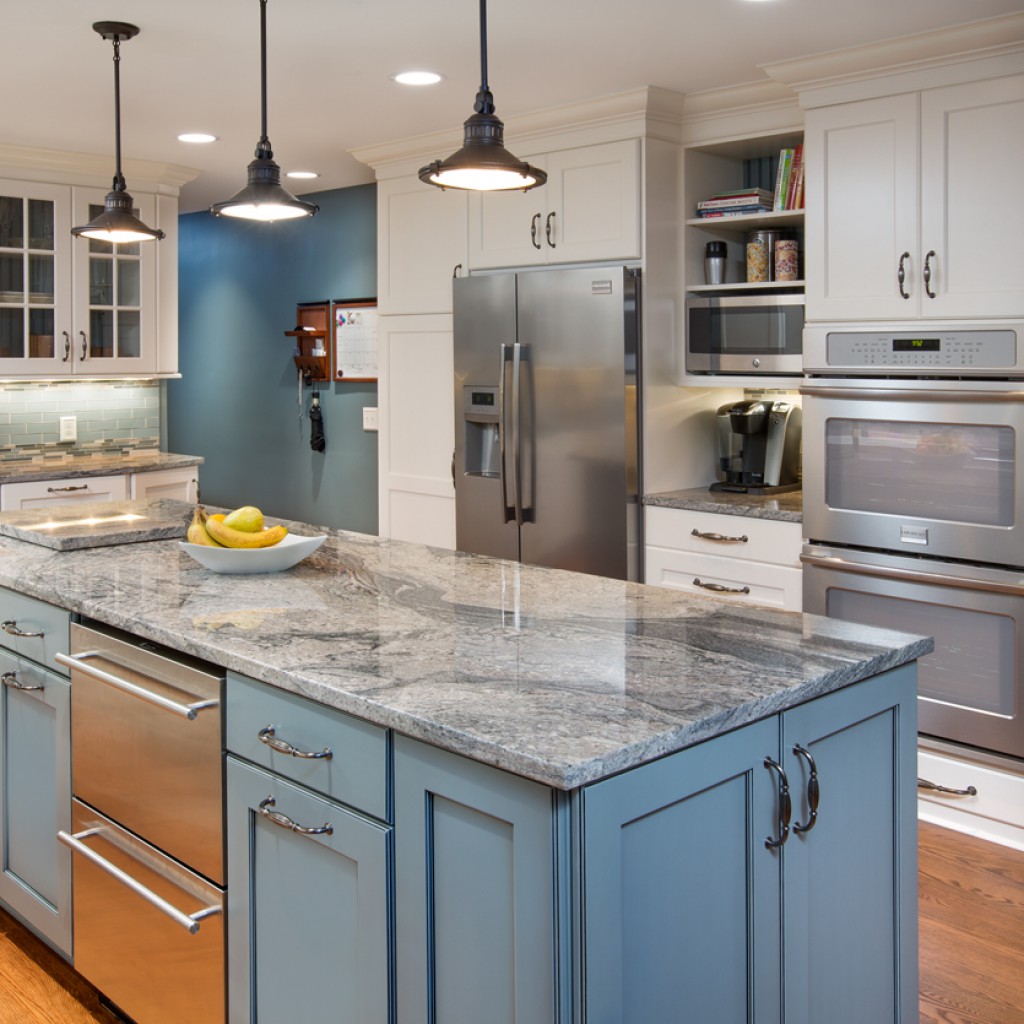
x,y
746,330
960,473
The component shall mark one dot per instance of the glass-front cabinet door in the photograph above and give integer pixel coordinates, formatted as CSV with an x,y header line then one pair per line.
x,y
115,295
35,279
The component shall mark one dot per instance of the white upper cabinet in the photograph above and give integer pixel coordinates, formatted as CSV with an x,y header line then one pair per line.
x,y
904,219
421,245
590,209
78,307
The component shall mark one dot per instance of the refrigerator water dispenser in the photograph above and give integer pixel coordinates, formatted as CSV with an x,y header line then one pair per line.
x,y
481,441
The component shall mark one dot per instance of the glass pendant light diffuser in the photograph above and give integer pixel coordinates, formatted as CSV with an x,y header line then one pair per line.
x,y
264,197
483,164
118,222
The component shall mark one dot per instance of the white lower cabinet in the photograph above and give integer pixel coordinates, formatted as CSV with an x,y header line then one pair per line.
x,y
181,484
737,558
74,490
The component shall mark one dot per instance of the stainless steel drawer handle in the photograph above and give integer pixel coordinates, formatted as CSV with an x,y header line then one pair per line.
x,y
283,821
64,490
11,628
77,661
935,787
719,589
11,679
190,922
266,735
720,538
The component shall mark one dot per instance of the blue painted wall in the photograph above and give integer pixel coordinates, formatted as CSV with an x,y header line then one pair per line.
x,y
237,401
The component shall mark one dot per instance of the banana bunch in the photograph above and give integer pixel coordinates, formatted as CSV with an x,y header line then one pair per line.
x,y
242,528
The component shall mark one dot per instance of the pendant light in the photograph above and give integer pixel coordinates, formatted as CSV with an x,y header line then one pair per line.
x,y
118,222
483,164
264,197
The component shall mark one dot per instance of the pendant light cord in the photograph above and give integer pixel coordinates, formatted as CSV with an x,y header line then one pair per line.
x,y
484,100
263,150
119,185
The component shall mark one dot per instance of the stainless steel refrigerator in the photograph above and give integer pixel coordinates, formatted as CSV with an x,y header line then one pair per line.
x,y
547,428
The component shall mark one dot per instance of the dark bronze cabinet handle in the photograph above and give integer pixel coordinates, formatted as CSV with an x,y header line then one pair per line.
x,y
928,784
534,225
456,269
283,821
720,538
10,627
901,275
785,805
63,490
11,679
813,791
67,346
718,588
549,224
928,274
85,345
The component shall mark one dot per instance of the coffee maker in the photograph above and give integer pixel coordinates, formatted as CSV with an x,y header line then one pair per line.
x,y
759,446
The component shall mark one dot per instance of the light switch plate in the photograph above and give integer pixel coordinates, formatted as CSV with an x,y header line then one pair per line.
x,y
369,417
69,428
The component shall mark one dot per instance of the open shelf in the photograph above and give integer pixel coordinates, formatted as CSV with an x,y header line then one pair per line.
x,y
751,221
748,286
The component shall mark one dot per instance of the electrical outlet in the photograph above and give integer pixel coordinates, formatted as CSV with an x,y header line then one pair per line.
x,y
69,428
369,417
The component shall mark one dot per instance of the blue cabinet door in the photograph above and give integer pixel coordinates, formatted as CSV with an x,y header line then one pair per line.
x,y
681,907
308,936
477,895
35,798
851,881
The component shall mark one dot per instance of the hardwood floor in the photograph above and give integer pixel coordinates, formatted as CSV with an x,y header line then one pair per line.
x,y
972,945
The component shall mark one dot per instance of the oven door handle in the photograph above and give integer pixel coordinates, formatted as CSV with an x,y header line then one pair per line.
x,y
190,922
77,661
927,578
908,395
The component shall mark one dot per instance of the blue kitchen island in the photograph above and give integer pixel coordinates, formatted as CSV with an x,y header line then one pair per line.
x,y
553,798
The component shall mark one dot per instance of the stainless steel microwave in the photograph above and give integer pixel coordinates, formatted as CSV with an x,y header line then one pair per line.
x,y
745,334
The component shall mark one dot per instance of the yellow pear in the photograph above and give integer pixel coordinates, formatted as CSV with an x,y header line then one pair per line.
x,y
248,519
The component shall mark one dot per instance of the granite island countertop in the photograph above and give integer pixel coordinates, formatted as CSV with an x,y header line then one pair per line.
x,y
62,467
555,676
786,507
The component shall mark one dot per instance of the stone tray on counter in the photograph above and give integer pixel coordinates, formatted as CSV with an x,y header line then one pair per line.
x,y
96,524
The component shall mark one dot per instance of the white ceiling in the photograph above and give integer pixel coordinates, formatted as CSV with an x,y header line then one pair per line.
x,y
195,67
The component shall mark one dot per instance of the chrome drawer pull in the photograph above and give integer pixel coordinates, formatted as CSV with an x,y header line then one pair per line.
x,y
266,735
190,922
813,791
11,627
11,679
63,490
719,589
720,538
935,787
185,710
283,821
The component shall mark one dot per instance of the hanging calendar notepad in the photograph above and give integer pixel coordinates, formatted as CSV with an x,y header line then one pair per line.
x,y
355,340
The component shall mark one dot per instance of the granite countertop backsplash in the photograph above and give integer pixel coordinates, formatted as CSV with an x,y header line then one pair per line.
x,y
52,467
555,676
786,507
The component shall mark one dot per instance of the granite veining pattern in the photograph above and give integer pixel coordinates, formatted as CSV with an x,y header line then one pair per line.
x,y
787,507
72,467
555,676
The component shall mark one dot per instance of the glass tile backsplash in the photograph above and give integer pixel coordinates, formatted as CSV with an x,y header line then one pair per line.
x,y
111,417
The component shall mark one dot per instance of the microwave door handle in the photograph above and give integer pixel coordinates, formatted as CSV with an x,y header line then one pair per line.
x,y
77,661
507,510
190,922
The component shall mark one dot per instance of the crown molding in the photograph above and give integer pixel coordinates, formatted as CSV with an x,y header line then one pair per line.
x,y
990,37
92,169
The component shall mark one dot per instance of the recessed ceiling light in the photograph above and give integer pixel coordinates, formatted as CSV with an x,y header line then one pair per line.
x,y
417,77
196,137
301,174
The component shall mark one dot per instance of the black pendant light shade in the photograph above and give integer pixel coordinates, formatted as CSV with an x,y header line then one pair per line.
x,y
483,164
118,222
264,197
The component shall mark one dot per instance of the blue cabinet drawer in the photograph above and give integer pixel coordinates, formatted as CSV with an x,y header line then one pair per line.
x,y
34,629
329,751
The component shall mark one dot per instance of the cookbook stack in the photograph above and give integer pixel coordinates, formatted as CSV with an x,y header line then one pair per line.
x,y
732,204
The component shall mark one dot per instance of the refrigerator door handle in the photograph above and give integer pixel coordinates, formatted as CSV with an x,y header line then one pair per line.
x,y
507,511
517,461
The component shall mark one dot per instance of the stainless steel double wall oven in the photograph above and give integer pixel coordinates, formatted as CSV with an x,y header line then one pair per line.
x,y
914,508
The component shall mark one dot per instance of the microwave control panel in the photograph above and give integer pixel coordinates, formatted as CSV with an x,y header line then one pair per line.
x,y
924,350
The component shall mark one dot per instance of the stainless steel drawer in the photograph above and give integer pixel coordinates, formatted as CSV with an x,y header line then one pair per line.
x,y
148,933
328,751
34,629
147,744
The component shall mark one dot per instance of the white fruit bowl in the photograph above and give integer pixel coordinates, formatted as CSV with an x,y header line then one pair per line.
x,y
282,555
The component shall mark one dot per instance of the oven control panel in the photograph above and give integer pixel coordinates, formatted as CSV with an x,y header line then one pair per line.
x,y
923,350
